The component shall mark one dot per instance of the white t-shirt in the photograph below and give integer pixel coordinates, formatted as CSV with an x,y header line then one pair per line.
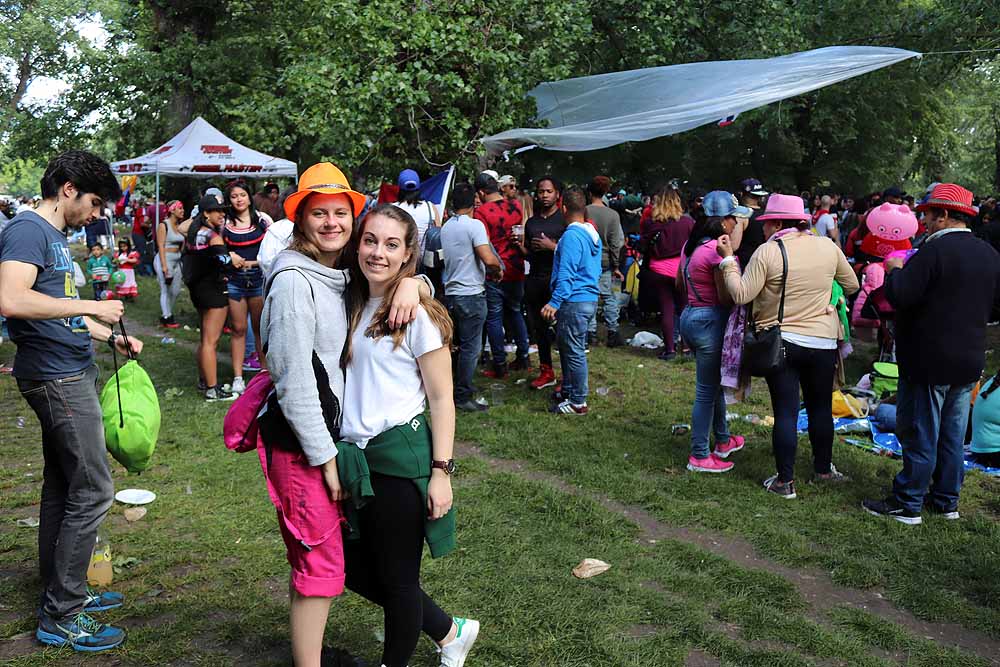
x,y
384,388
277,238
423,215
825,225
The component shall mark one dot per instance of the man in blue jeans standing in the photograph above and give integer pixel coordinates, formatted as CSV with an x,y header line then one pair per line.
x,y
943,297
55,372
468,257
576,269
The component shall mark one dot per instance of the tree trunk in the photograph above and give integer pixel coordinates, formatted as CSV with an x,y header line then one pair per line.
x,y
24,71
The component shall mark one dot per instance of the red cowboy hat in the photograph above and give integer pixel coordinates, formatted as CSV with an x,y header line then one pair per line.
x,y
951,197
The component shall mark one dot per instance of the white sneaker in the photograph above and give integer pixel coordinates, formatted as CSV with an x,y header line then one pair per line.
x,y
238,385
453,655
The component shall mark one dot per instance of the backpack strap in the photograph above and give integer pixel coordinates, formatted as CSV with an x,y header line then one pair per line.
x,y
687,273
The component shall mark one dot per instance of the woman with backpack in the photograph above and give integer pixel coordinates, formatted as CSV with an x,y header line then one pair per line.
x,y
304,331
789,280
204,263
243,233
663,238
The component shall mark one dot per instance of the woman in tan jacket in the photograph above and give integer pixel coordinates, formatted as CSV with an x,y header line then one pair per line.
x,y
809,329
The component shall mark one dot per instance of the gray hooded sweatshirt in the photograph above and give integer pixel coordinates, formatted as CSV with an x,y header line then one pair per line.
x,y
304,326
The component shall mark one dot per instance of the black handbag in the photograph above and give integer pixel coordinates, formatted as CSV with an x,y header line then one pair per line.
x,y
763,349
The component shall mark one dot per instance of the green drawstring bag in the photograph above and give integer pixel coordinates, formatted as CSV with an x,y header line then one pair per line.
x,y
131,416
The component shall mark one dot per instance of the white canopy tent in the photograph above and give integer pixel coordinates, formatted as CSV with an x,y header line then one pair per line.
x,y
598,111
201,151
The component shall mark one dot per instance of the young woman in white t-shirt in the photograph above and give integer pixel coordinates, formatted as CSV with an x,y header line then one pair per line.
x,y
392,375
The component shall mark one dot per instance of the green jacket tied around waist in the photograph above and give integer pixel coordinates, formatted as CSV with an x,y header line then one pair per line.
x,y
403,451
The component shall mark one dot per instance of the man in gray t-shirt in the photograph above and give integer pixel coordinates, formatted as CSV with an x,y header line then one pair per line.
x,y
468,258
609,228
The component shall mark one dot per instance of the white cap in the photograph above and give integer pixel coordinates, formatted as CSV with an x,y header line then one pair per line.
x,y
506,179
495,175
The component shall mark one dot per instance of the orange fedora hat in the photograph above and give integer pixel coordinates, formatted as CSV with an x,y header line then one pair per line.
x,y
324,178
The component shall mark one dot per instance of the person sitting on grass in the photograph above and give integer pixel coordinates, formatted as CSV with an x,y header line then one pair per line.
x,y
56,374
576,268
304,331
392,376
986,424
99,268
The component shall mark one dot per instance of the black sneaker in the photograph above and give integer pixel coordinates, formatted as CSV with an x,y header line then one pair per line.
x,y
891,508
784,490
471,406
521,364
666,356
217,393
948,515
81,632
613,339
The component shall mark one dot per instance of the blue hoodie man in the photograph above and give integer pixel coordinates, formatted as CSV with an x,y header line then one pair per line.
x,y
576,269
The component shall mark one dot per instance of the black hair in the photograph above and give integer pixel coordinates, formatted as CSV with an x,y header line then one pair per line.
x,y
463,195
411,197
953,215
575,200
87,172
487,184
556,183
126,241
255,218
271,187
710,227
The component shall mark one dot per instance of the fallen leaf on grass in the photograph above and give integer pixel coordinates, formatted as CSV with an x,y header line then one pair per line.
x,y
173,392
590,567
134,513
122,563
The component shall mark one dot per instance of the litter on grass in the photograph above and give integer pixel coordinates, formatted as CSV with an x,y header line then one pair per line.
x,y
133,514
30,522
645,340
590,567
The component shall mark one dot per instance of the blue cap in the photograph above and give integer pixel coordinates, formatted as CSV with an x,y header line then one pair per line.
x,y
409,180
722,204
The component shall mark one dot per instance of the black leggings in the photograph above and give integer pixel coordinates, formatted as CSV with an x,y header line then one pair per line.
x,y
384,567
812,369
536,295
990,460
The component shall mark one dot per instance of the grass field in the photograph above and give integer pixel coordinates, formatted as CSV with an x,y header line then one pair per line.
x,y
706,570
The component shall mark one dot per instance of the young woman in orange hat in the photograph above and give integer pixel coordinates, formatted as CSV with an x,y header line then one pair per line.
x,y
303,333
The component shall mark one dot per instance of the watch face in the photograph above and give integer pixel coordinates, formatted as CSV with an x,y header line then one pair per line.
x,y
450,467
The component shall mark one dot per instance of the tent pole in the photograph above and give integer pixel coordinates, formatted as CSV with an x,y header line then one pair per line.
x,y
156,229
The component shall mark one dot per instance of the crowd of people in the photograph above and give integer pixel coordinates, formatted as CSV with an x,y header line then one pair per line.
x,y
371,320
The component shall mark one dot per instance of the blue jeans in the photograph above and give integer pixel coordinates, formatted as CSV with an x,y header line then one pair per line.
x,y
612,304
501,299
703,328
468,313
931,421
571,336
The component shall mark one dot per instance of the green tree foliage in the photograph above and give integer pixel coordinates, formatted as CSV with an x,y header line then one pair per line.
x,y
377,85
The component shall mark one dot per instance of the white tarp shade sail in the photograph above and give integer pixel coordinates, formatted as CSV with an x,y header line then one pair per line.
x,y
598,111
201,151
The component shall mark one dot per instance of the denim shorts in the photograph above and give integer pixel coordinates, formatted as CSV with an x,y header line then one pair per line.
x,y
246,284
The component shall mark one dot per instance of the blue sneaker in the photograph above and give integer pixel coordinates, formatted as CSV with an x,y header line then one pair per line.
x,y
102,601
81,632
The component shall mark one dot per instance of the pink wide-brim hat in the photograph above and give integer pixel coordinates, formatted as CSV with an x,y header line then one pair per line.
x,y
784,207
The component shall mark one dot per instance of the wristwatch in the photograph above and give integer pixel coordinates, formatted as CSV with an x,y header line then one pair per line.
x,y
111,340
448,466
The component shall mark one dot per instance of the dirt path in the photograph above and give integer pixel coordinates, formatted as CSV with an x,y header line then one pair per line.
x,y
815,586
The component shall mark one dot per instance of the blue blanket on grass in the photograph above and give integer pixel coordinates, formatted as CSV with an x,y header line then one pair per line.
x,y
885,444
